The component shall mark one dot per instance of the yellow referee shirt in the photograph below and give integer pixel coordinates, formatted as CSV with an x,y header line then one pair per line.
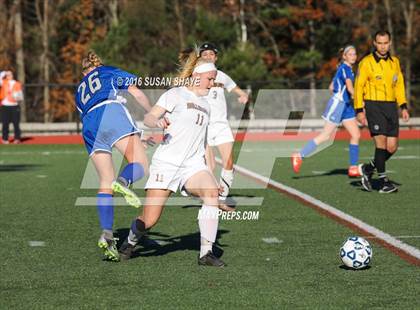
x,y
379,79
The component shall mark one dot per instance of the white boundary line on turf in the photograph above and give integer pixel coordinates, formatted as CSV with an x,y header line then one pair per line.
x,y
36,243
379,234
399,237
172,201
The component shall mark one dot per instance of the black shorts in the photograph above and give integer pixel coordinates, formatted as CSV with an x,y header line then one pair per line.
x,y
382,118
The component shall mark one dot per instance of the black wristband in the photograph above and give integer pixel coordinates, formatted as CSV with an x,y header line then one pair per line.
x,y
404,106
360,110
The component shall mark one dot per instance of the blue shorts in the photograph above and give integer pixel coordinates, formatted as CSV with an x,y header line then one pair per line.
x,y
105,125
338,111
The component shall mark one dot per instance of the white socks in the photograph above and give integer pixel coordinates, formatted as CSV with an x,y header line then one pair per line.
x,y
205,247
226,180
208,221
132,238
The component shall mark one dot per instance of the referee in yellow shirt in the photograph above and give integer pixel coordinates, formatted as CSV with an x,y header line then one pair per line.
x,y
378,94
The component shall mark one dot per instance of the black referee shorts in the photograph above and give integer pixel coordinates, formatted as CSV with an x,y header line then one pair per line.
x,y
382,117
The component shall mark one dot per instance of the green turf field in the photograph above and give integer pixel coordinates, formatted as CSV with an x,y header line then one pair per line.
x,y
39,186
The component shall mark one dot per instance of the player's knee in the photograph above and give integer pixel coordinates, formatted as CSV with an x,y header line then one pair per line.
x,y
356,135
392,148
211,196
212,193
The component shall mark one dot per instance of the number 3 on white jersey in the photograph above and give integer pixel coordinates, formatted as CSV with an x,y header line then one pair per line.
x,y
94,85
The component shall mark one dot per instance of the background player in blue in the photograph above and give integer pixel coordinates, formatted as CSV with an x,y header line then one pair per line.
x,y
339,109
107,123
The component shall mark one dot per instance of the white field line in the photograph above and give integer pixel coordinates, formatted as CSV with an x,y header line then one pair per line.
x,y
318,172
397,157
36,243
379,234
399,237
175,201
271,240
43,153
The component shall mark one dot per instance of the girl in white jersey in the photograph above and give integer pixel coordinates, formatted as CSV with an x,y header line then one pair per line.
x,y
219,132
183,113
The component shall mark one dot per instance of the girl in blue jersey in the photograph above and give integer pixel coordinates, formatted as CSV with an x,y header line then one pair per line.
x,y
339,110
107,124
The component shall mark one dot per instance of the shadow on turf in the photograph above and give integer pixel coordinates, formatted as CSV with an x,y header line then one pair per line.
x,y
230,201
18,167
376,185
329,173
344,267
151,247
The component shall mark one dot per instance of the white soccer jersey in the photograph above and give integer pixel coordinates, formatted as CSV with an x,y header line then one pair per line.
x,y
184,139
217,98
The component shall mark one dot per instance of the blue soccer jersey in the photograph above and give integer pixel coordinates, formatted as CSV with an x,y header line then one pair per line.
x,y
99,85
344,72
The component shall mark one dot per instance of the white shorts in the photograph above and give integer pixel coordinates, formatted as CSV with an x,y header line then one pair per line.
x,y
219,133
167,176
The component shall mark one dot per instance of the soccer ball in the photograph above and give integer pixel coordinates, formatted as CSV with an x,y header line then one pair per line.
x,y
356,253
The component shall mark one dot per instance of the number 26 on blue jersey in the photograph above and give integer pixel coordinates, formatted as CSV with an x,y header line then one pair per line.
x,y
94,84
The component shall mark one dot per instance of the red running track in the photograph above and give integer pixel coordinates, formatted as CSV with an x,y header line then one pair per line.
x,y
410,134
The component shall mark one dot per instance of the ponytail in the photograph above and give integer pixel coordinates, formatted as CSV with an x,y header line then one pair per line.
x,y
340,56
91,61
188,61
184,54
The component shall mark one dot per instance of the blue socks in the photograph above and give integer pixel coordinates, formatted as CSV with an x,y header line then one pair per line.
x,y
131,173
105,202
354,154
105,207
308,149
311,146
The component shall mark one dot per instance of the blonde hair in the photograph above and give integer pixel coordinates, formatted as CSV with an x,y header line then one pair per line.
x,y
343,51
91,61
189,59
184,54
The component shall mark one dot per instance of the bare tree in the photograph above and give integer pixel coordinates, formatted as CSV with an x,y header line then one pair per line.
x,y
408,12
20,58
45,71
244,32
270,37
113,13
5,31
389,23
312,81
179,24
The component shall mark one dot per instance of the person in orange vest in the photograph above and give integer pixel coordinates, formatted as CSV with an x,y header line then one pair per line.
x,y
11,95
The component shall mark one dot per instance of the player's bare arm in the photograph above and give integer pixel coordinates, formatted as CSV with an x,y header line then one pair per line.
x,y
140,97
242,95
155,119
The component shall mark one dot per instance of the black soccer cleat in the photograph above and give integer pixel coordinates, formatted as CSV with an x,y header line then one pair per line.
x,y
387,187
126,250
210,260
366,177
